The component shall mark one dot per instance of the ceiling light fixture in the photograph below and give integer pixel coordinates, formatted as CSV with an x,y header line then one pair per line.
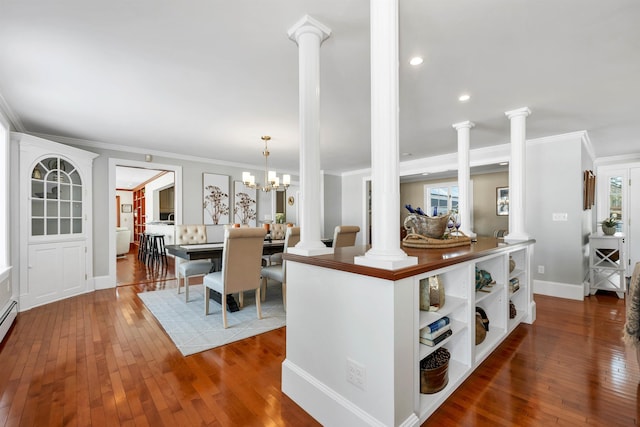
x,y
503,163
464,98
416,60
272,181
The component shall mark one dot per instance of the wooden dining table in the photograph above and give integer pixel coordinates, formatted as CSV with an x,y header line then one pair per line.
x,y
213,251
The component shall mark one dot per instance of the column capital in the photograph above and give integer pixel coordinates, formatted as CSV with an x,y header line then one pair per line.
x,y
307,24
524,111
463,125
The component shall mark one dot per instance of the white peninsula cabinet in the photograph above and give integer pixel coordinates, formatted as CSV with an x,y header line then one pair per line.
x,y
353,348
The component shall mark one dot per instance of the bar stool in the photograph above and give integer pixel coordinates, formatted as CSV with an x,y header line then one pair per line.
x,y
142,247
158,251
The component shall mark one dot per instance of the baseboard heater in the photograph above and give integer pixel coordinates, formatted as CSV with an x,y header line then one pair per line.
x,y
7,318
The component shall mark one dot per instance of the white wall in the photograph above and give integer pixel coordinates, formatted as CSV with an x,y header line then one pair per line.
x,y
554,185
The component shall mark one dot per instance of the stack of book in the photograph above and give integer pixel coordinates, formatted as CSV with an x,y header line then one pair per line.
x,y
514,285
436,332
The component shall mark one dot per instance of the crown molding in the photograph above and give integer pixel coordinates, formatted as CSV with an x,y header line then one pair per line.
x,y
7,111
155,153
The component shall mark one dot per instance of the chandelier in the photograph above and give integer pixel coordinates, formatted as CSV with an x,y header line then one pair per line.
x,y
271,180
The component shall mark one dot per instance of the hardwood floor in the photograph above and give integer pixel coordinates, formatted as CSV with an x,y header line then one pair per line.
x,y
103,359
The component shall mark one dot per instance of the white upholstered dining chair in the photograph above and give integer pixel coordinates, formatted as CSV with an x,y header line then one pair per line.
x,y
345,235
189,235
278,272
241,263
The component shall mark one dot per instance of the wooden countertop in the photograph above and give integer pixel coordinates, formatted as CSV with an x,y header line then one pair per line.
x,y
428,259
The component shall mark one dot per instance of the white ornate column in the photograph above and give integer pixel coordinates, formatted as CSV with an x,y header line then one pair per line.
x,y
309,35
517,167
385,251
464,177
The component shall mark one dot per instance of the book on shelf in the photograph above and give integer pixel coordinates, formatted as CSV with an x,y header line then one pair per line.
x,y
514,285
427,334
436,341
432,327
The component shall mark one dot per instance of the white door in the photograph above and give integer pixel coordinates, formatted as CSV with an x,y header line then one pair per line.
x,y
55,221
633,224
56,271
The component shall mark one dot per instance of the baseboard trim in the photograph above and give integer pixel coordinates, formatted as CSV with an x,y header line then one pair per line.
x,y
559,290
322,402
104,282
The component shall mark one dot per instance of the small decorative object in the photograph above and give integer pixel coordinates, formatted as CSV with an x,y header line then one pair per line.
x,y
482,325
428,226
483,279
512,310
126,208
512,264
502,201
431,293
456,218
434,371
609,225
481,332
291,200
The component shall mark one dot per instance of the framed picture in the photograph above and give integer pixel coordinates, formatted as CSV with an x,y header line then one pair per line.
x,y
244,208
502,201
588,189
126,208
215,199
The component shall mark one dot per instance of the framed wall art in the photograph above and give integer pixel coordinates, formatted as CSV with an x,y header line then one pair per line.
x,y
588,189
215,199
502,201
126,208
244,207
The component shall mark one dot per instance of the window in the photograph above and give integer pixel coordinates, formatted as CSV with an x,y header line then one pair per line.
x,y
56,198
441,198
615,200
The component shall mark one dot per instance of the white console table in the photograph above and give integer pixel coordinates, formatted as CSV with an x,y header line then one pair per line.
x,y
606,263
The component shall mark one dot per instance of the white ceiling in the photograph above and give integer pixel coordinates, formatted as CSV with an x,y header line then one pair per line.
x,y
208,78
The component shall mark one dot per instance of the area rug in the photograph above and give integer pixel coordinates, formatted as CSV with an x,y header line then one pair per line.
x,y
193,332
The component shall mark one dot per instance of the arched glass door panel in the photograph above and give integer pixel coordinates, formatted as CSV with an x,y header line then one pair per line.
x,y
56,198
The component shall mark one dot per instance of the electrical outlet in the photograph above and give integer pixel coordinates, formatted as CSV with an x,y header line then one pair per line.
x,y
560,216
356,373
541,269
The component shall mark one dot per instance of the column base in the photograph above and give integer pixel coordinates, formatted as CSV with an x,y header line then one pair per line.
x,y
385,262
516,237
311,251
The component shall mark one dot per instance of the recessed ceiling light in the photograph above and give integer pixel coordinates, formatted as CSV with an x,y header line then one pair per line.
x,y
503,163
405,154
416,60
464,97
425,173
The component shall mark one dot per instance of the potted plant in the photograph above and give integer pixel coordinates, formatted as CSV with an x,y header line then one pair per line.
x,y
609,225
